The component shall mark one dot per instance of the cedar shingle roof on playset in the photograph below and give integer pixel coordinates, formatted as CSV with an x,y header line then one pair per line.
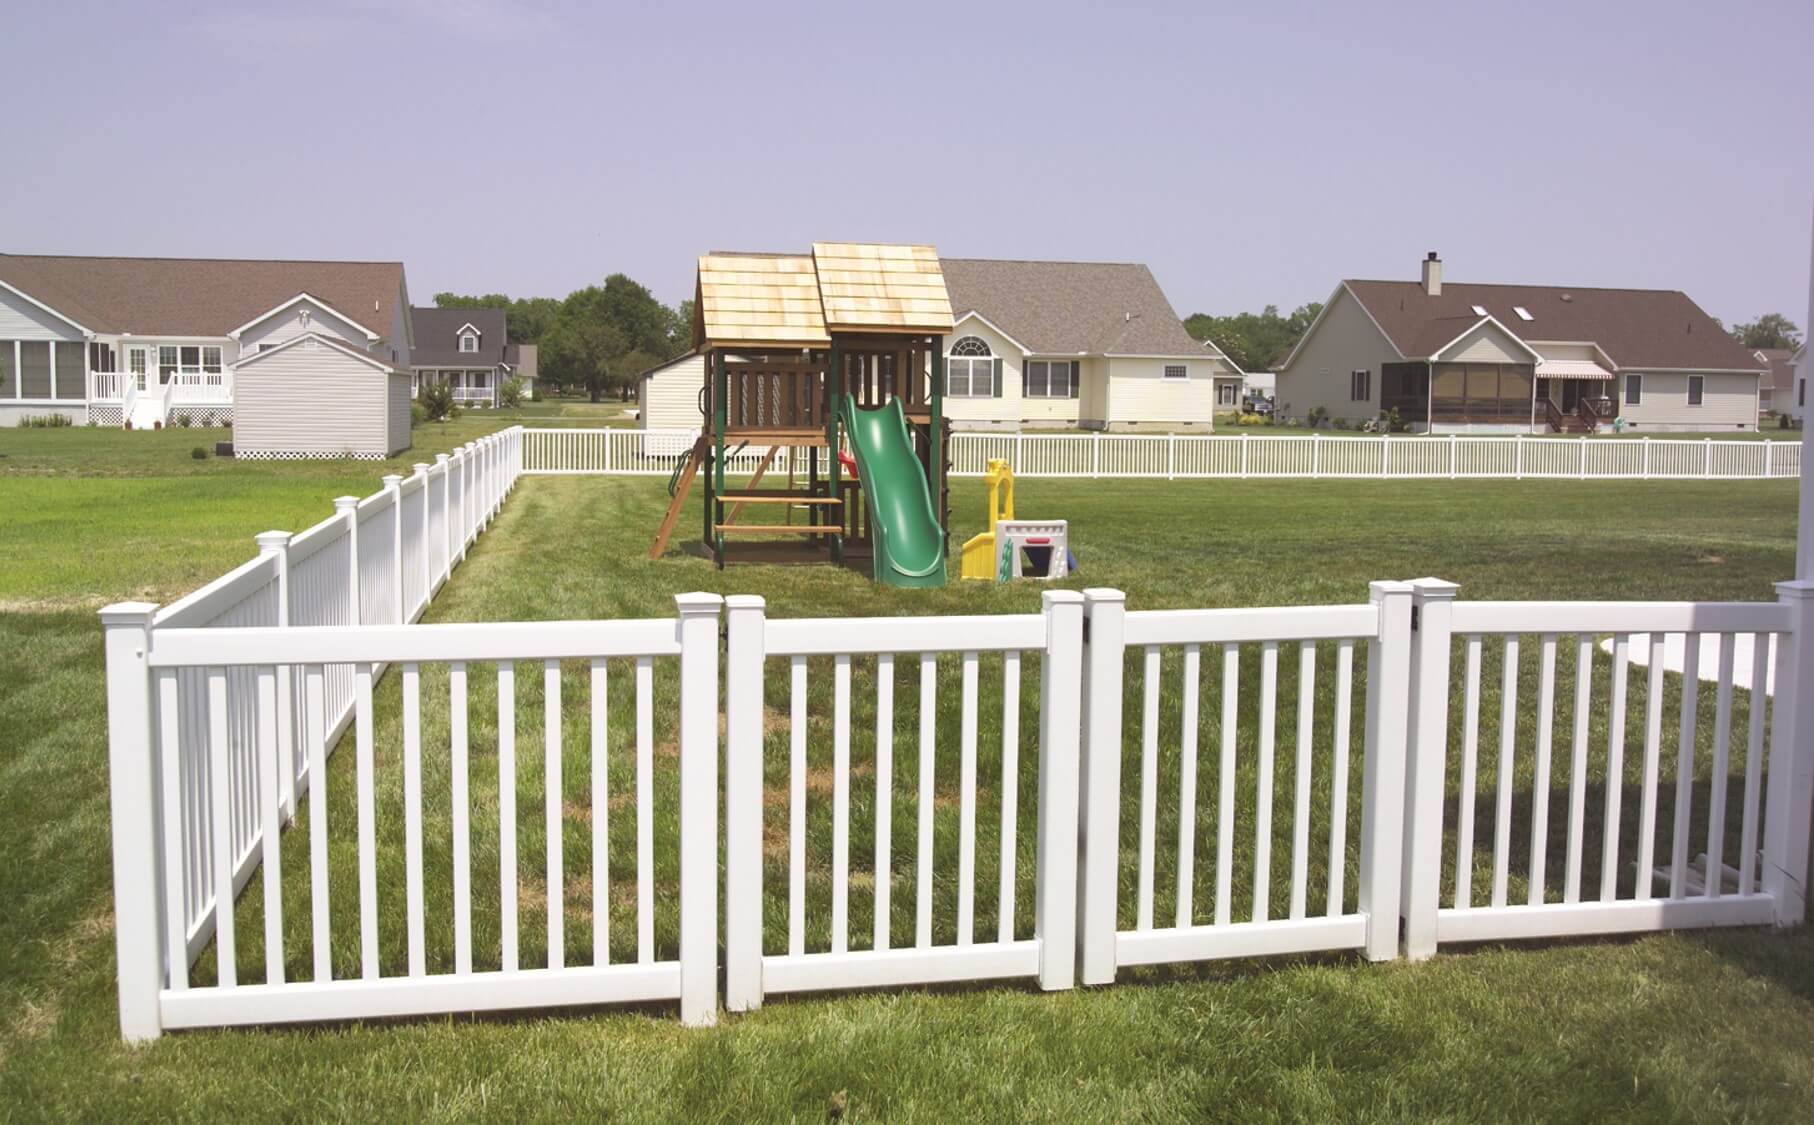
x,y
797,300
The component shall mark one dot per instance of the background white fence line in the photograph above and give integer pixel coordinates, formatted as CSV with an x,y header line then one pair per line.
x,y
344,571
1334,852
1185,456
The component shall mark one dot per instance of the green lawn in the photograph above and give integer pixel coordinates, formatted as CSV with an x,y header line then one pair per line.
x,y
1686,1026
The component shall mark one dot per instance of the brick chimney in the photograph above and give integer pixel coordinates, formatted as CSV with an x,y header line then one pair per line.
x,y
1432,275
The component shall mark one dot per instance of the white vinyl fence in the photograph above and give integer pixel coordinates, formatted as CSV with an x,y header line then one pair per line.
x,y
205,723
1184,456
1141,734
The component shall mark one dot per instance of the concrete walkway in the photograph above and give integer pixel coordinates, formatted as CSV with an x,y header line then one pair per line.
x,y
1673,650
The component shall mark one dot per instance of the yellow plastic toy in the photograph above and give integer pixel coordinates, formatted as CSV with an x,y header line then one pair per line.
x,y
979,552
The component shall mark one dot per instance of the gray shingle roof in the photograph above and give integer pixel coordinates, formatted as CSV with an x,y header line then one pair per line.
x,y
1071,308
437,334
199,296
1636,328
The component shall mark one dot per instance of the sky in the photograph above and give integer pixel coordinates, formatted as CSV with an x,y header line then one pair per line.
x,y
1251,154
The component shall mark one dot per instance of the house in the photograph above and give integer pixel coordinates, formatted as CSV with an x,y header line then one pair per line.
x,y
1093,345
1519,358
1778,388
468,349
313,395
523,362
149,342
668,394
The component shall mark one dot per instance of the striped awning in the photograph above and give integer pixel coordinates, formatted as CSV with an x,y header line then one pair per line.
x,y
1571,369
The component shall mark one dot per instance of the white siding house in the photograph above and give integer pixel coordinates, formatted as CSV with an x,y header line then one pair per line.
x,y
669,395
316,396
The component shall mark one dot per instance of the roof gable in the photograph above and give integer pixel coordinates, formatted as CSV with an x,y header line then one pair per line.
x,y
438,332
871,287
313,339
754,300
199,296
302,298
1635,328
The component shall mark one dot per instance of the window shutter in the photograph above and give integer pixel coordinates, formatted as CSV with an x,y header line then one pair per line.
x,y
1026,376
995,378
1076,376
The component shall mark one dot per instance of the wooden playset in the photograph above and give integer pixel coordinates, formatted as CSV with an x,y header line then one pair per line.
x,y
808,355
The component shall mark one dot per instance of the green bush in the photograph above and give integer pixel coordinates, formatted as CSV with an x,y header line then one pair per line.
x,y
417,415
510,393
45,421
200,453
437,402
185,421
1341,424
1317,416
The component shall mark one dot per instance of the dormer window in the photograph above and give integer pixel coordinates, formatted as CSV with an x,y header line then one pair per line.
x,y
469,342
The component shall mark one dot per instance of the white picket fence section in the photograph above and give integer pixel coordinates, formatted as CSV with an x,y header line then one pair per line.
x,y
1360,846
551,451
344,571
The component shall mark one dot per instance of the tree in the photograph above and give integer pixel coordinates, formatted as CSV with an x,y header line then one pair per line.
x,y
1771,330
1255,341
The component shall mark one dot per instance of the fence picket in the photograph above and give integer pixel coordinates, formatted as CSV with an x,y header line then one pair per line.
x,y
840,805
1187,785
922,927
1338,777
1754,762
1546,719
884,810
1149,783
1684,765
1010,795
1653,740
551,786
412,814
459,768
796,805
1508,742
645,810
598,699
507,881
1262,833
1225,786
368,849
1300,825
1722,737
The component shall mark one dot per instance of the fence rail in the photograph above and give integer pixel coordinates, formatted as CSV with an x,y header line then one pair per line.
x,y
1207,456
919,803
207,719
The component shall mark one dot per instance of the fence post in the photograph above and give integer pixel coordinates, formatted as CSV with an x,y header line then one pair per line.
x,y
1060,714
138,899
1791,776
743,659
393,484
428,560
1426,754
348,506
1097,898
1383,777
445,464
698,628
277,545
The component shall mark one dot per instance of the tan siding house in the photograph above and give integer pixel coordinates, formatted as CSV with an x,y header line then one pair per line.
x,y
1458,358
313,396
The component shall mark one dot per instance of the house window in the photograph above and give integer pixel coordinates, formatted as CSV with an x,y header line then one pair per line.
x,y
1696,389
1049,379
970,369
1634,390
101,359
1225,394
1360,385
1176,371
166,362
469,342
479,380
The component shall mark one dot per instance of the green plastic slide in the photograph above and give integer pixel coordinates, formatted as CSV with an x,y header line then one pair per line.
x,y
903,525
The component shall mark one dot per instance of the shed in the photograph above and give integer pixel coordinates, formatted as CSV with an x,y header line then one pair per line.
x,y
313,396
669,394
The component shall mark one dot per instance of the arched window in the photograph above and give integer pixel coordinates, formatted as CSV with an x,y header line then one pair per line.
x,y
971,369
